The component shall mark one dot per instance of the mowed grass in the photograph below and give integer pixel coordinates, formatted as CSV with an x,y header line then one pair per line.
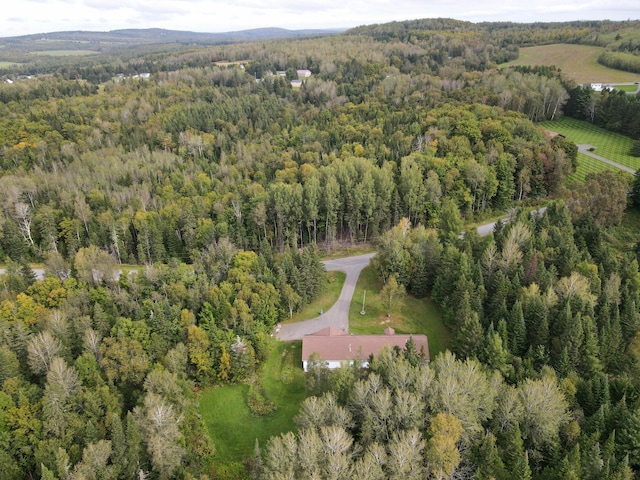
x,y
611,145
335,281
586,165
626,88
63,53
577,62
8,64
232,428
411,315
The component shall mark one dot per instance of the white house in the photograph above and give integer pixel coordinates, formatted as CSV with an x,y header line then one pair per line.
x,y
336,346
304,73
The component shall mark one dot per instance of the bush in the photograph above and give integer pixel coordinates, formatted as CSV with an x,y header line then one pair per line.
x,y
257,403
635,149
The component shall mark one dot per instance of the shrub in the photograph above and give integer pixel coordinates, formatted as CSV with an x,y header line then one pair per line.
x,y
257,403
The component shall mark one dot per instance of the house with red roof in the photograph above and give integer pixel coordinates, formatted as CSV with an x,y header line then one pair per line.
x,y
337,347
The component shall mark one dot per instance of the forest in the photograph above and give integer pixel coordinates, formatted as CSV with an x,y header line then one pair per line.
x,y
180,217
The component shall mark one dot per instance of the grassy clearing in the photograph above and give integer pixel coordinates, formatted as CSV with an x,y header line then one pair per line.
x,y
611,145
232,428
577,62
335,281
411,315
8,64
63,53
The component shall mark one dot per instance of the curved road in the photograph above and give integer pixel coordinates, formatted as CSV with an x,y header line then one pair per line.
x,y
338,315
584,148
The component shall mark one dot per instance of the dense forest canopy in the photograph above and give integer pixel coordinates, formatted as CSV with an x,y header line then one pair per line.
x,y
222,182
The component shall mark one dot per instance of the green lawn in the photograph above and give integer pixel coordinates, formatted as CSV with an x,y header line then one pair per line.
x,y
411,315
626,88
335,281
586,165
232,428
611,145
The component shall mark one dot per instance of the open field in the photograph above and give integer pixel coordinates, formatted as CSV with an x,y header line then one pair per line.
x,y
232,428
611,145
577,62
335,281
64,53
411,315
8,64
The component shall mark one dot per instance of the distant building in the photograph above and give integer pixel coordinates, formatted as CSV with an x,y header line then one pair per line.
x,y
296,83
304,73
336,346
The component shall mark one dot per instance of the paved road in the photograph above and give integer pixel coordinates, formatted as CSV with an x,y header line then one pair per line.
x,y
583,148
338,315
487,228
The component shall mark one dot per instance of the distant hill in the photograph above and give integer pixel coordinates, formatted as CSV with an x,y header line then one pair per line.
x,y
86,39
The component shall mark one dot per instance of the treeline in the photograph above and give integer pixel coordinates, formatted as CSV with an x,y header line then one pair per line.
x,y
545,320
628,62
615,111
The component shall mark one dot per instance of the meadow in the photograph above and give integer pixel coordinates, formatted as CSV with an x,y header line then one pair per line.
x,y
577,62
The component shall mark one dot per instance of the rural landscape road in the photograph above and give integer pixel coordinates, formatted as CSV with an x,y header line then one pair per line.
x,y
583,148
338,315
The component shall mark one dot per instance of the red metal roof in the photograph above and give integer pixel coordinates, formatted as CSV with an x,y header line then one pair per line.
x,y
333,344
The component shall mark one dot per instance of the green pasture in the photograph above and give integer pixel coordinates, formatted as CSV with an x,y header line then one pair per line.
x,y
611,145
231,426
411,315
577,62
8,64
335,281
63,53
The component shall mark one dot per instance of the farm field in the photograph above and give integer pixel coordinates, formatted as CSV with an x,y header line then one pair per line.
x,y
411,315
577,62
611,145
64,53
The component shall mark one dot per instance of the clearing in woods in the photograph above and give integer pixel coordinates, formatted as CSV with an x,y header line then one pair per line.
x,y
577,62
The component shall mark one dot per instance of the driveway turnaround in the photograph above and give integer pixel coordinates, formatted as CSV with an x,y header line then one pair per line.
x,y
338,315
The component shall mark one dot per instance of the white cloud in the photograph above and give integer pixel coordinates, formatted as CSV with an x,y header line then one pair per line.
x,y
39,16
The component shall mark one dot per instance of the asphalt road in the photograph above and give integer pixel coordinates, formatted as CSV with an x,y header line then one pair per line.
x,y
338,315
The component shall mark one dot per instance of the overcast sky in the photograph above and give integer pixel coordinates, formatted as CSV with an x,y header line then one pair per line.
x,y
20,17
